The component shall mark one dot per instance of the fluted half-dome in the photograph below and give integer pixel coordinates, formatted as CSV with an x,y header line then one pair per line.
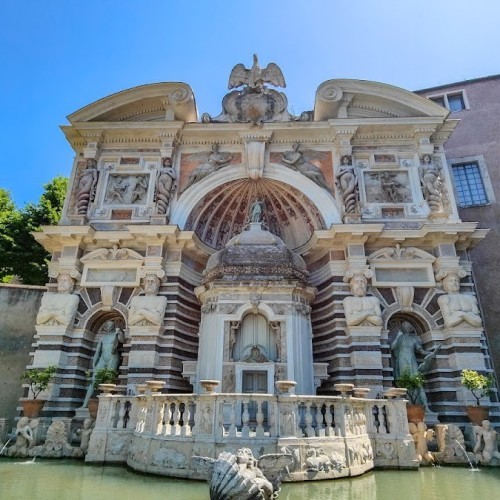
x,y
255,254
223,212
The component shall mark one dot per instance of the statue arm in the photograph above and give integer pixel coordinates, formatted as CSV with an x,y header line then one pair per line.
x,y
395,342
451,318
97,354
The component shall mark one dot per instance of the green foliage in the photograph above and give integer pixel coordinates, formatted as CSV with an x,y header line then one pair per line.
x,y
412,382
479,385
20,254
39,378
104,376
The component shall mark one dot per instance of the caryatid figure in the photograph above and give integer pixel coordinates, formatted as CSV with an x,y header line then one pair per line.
x,y
432,183
148,309
85,187
58,308
348,184
165,185
458,308
359,309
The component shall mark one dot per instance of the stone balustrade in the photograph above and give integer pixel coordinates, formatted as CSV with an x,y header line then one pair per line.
x,y
147,430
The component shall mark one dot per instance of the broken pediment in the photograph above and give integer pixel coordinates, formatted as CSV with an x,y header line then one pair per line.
x,y
365,99
153,102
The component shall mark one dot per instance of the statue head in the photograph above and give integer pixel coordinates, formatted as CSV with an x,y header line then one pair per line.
x,y
426,159
108,326
167,162
407,327
91,163
451,283
358,285
346,160
486,424
215,148
151,284
65,283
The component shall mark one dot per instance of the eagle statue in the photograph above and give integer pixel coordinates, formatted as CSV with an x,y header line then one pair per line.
x,y
256,77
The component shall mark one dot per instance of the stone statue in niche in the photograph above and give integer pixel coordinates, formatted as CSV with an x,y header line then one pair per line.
x,y
59,308
107,354
257,211
361,310
405,347
85,187
432,183
276,327
458,308
216,160
347,181
298,161
486,447
150,308
233,328
165,186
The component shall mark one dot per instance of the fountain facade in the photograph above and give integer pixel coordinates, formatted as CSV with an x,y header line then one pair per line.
x,y
255,265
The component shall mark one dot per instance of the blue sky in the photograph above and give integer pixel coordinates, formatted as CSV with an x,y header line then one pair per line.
x,y
57,56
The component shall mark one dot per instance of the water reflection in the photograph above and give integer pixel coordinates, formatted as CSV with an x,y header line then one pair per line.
x,y
61,480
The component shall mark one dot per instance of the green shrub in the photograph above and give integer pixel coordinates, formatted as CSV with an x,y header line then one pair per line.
x,y
479,385
412,382
39,378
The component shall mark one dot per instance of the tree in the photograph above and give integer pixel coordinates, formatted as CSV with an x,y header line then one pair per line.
x,y
20,254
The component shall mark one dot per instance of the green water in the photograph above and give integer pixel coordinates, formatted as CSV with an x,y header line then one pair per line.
x,y
61,480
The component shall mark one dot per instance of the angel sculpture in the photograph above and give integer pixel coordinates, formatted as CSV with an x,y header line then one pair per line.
x,y
241,476
211,164
298,160
255,77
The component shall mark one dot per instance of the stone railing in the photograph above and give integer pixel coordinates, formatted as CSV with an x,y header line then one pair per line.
x,y
133,428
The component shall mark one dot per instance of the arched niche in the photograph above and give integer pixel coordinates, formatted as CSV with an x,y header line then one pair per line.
x,y
254,332
223,212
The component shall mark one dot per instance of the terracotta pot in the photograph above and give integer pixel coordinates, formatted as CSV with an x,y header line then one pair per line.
x,y
32,407
477,414
93,407
415,413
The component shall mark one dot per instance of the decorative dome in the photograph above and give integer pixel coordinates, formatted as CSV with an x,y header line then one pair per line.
x,y
255,254
223,212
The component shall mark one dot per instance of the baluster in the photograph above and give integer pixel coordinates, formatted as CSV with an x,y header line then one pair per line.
x,y
176,428
168,417
271,418
308,420
328,420
259,417
245,418
386,420
232,419
339,417
121,415
186,415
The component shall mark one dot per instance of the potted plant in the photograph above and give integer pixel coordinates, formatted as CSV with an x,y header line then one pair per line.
x,y
38,380
413,383
480,386
102,376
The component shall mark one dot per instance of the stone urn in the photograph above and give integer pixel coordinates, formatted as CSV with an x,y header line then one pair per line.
x,y
209,386
395,392
107,388
154,386
344,389
415,413
141,388
361,392
284,386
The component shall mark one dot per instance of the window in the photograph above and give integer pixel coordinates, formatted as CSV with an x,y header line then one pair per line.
x,y
456,101
469,184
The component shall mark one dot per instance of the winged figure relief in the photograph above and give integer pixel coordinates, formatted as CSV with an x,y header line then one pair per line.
x,y
256,77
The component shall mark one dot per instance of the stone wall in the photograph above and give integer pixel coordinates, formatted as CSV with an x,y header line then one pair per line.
x,y
18,308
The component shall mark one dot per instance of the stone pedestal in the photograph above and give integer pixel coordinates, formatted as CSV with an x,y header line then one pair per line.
x,y
366,357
